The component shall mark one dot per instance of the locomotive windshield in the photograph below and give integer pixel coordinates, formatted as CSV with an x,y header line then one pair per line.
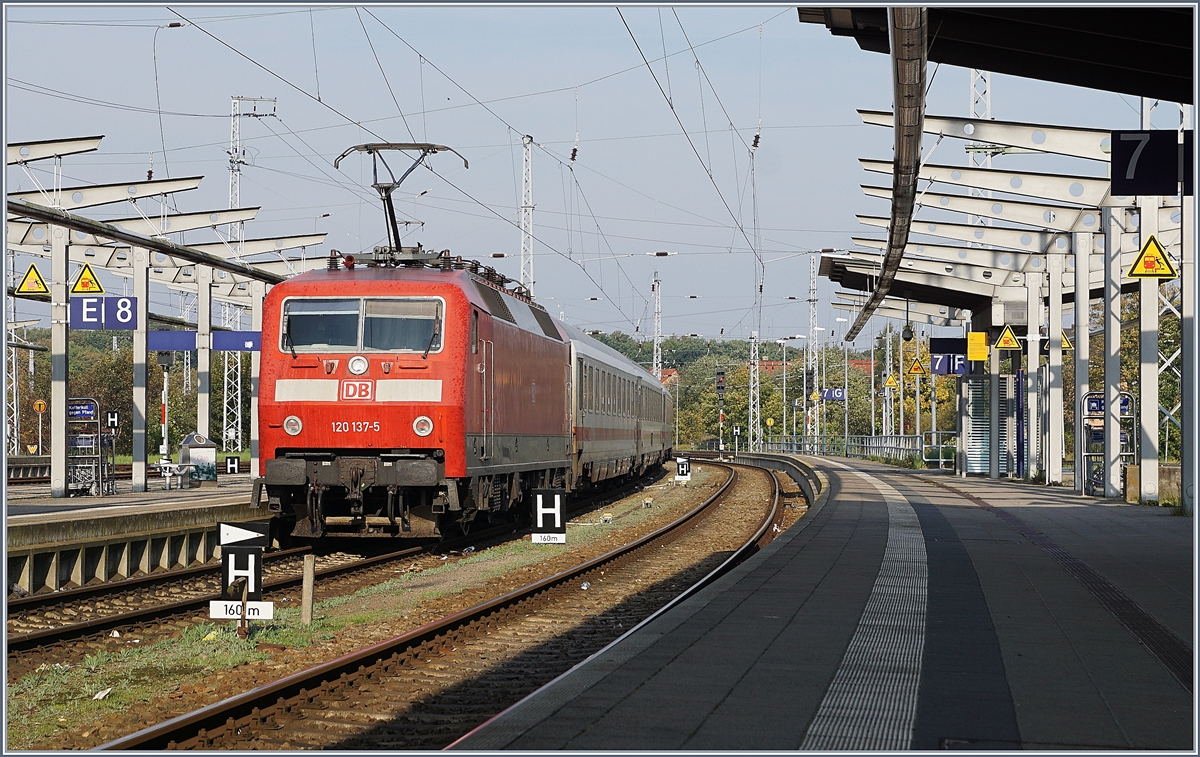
x,y
362,324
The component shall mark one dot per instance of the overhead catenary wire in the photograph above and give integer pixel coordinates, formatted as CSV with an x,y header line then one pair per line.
x,y
468,196
687,136
501,120
707,249
312,29
352,188
373,133
384,75
39,89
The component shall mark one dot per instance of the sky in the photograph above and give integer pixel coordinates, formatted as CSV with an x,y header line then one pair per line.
x,y
662,103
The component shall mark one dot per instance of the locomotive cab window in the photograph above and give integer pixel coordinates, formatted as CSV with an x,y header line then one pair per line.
x,y
402,325
312,324
391,325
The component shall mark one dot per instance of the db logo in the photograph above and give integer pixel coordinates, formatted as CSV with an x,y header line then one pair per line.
x,y
357,389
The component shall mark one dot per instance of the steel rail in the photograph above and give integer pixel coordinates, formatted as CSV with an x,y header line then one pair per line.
x,y
907,32
259,703
44,637
38,601
35,639
58,217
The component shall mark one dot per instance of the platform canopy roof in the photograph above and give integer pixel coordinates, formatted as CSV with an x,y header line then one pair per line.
x,y
1133,49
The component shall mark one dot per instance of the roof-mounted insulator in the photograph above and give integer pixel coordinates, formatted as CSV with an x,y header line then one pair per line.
x,y
333,260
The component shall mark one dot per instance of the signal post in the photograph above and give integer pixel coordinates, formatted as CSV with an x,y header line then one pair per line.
x,y
720,413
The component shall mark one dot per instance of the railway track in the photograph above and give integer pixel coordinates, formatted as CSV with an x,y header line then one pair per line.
x,y
426,688
124,471
63,627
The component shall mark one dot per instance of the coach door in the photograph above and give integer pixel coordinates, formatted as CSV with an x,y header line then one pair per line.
x,y
483,387
639,410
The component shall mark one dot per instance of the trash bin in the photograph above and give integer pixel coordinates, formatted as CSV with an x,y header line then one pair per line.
x,y
201,453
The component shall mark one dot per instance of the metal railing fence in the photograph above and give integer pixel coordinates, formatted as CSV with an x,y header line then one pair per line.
x,y
934,448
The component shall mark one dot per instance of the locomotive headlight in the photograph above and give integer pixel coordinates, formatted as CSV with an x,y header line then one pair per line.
x,y
292,425
357,365
423,426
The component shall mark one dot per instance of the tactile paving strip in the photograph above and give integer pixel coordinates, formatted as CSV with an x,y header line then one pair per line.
x,y
1172,651
872,702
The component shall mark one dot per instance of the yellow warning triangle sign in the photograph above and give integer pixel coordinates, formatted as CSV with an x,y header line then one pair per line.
x,y
815,395
1152,262
87,283
891,382
1067,342
1008,340
916,369
33,283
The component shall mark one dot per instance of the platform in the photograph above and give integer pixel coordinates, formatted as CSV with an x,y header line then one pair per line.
x,y
899,614
32,499
64,543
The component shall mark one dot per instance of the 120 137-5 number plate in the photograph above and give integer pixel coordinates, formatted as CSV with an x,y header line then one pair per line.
x,y
347,427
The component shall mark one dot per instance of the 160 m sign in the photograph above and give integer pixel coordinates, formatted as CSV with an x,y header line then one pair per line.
x,y
222,609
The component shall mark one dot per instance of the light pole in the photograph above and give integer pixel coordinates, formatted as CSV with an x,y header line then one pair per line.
x,y
783,343
819,410
845,390
874,346
803,403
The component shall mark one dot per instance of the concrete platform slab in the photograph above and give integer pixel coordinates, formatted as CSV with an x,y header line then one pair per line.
x,y
1051,622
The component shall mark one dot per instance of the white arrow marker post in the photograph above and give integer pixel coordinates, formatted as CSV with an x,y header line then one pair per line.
x,y
242,548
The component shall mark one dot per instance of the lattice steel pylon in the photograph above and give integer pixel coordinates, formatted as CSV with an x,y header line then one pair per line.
x,y
656,287
231,405
187,303
12,387
754,421
527,215
231,316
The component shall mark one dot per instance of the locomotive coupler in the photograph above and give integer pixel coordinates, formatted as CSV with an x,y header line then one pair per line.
x,y
357,475
313,524
405,523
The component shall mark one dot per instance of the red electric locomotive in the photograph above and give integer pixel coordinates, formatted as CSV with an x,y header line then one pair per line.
x,y
404,399
413,393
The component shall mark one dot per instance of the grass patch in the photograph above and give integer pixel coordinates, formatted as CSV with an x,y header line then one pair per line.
x,y
61,696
